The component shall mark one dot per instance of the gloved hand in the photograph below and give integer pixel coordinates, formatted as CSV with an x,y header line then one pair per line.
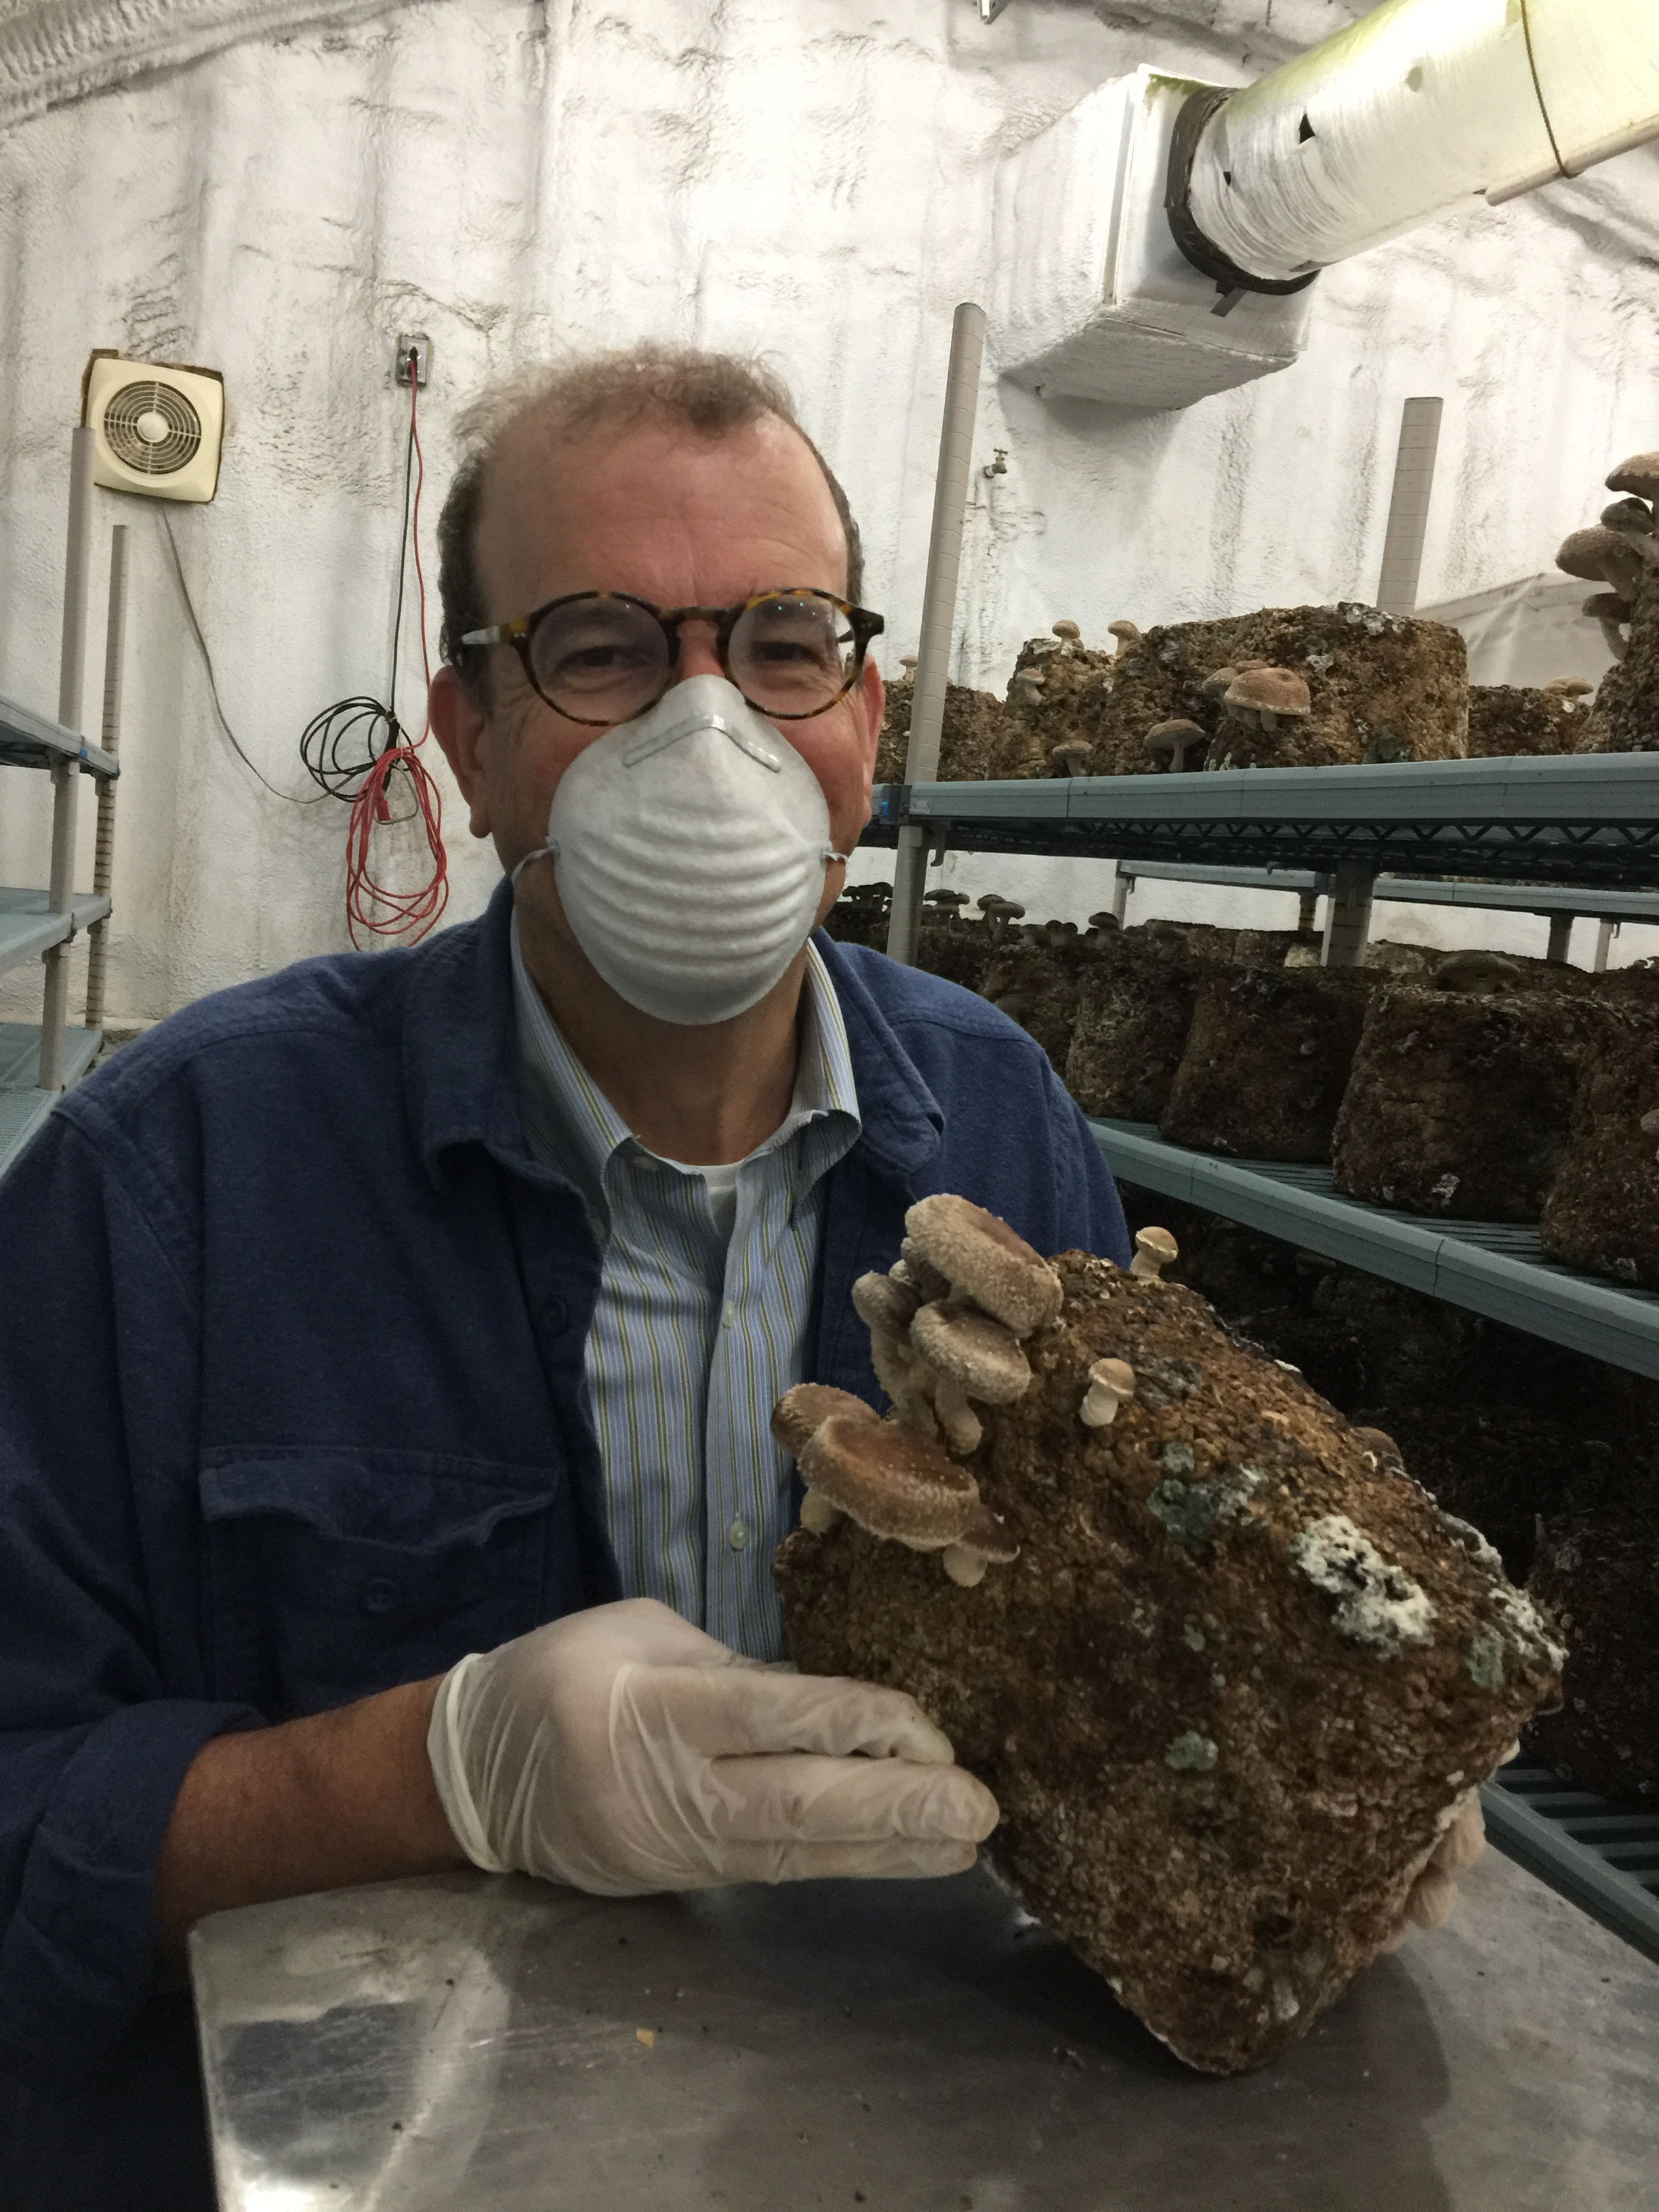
x,y
1435,1891
621,1750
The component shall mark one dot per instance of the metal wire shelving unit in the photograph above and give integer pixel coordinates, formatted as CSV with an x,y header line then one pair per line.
x,y
1563,837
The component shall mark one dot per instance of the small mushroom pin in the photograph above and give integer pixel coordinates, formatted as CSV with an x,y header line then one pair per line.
x,y
1127,634
1068,634
1569,690
1154,1250
1073,757
1604,557
1265,697
1111,1385
1176,740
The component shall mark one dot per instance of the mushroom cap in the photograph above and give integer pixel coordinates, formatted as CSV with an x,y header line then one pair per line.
x,y
1164,736
1072,749
944,898
982,1531
1568,687
890,1480
1640,475
1067,629
802,1411
908,662
1115,1374
1158,1244
959,1341
1587,552
1632,516
1280,690
1218,680
883,1303
1104,921
983,1257
1475,970
1126,630
1608,606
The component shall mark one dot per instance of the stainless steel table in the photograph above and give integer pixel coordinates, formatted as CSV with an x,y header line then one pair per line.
x,y
496,2045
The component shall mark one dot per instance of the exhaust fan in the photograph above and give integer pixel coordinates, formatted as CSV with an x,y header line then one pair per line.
x,y
157,428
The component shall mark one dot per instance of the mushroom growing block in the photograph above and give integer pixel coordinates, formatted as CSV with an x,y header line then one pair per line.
x,y
977,738
1378,685
1600,1571
1134,1009
1267,1062
1508,718
1237,1684
1459,1102
1602,1211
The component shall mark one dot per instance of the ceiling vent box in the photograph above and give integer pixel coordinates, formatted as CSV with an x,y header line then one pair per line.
x,y
1093,298
158,428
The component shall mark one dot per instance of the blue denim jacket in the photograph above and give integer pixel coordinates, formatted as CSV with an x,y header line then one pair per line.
x,y
291,1394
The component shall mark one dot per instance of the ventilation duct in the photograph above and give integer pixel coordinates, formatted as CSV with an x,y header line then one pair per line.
x,y
1156,243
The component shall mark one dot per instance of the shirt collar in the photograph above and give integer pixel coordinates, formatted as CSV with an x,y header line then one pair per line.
x,y
461,1060
573,1128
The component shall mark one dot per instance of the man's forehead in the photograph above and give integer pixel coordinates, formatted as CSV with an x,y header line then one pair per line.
x,y
611,488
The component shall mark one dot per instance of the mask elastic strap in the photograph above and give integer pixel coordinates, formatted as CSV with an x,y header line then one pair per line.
x,y
541,853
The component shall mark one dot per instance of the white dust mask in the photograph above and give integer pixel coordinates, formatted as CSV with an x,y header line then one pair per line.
x,y
690,845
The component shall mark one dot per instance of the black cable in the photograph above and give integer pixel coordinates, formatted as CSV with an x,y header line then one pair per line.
x,y
213,681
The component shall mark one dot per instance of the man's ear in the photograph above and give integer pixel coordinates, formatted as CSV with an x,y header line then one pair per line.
x,y
460,726
870,694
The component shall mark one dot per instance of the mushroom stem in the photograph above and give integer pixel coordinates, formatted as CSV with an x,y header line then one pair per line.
x,y
1154,1249
817,1514
1111,1385
904,1380
960,1423
1618,644
964,1564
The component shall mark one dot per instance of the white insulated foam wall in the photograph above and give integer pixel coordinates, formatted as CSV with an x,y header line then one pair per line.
x,y
275,191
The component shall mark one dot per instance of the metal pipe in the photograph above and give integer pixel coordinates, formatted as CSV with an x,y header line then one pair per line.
x,y
65,775
939,613
1416,108
1408,506
103,865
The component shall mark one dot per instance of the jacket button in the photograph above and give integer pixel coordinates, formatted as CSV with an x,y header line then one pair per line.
x,y
378,1593
556,1314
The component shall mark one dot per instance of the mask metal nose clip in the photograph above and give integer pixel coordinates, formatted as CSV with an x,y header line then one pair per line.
x,y
699,719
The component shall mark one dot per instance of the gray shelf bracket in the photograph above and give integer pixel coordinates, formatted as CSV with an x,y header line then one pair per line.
x,y
1348,917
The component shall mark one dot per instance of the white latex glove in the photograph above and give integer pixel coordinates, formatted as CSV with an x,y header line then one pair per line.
x,y
621,1750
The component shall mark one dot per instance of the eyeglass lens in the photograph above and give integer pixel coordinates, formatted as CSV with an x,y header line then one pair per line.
x,y
604,660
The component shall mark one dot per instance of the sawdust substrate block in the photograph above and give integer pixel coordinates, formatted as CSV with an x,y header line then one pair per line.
x,y
1459,1104
1390,687
1267,1062
1037,983
1507,719
959,950
978,740
1602,1212
1600,1572
1219,1768
1624,717
1070,673
1134,1007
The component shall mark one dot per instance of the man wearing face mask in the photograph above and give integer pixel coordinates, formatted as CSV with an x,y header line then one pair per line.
x,y
414,1502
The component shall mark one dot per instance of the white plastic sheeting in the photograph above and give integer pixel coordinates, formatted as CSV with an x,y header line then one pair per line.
x,y
810,177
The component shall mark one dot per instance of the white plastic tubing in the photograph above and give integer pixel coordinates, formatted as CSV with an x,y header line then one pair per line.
x,y
1418,108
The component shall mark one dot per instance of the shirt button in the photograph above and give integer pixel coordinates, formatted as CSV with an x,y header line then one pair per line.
x,y
738,1536
729,1318
556,1314
378,1595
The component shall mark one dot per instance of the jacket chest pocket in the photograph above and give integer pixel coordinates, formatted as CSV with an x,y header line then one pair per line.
x,y
335,1574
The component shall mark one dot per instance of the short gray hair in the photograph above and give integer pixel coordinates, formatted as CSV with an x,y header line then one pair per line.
x,y
711,394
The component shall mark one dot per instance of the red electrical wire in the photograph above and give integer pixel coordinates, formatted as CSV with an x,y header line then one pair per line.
x,y
370,904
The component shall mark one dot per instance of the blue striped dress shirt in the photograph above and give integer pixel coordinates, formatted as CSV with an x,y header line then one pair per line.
x,y
705,1302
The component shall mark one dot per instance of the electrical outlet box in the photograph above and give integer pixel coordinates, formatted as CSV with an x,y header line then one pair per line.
x,y
418,344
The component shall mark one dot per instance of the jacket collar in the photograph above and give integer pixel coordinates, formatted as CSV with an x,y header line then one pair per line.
x,y
460,1057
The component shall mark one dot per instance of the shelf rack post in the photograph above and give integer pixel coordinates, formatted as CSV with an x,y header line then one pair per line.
x,y
939,609
1560,944
66,773
1408,506
1605,933
1348,917
103,865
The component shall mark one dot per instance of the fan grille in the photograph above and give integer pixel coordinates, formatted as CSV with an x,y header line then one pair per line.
x,y
151,429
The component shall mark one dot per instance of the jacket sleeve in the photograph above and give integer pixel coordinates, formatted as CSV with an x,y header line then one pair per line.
x,y
102,1706
1088,1205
